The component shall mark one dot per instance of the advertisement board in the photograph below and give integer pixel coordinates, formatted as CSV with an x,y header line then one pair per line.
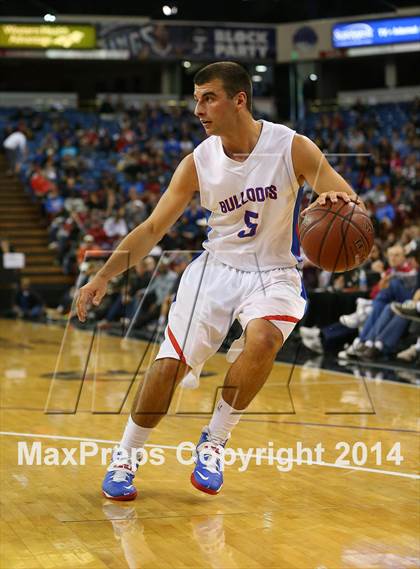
x,y
47,36
376,32
194,42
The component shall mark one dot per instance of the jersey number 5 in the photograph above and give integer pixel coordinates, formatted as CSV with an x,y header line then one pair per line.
x,y
249,216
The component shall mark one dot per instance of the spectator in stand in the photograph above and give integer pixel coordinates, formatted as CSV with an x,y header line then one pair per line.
x,y
383,330
28,304
53,204
49,169
158,290
39,184
179,264
16,148
115,226
87,249
68,150
126,302
106,107
410,310
135,212
96,230
172,240
190,225
403,269
369,274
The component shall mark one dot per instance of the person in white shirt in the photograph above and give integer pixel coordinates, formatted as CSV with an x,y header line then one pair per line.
x,y
115,226
249,175
16,148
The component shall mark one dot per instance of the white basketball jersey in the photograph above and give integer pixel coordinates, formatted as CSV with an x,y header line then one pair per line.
x,y
253,205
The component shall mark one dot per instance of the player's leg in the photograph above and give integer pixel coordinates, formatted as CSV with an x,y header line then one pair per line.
x,y
243,381
155,393
250,371
268,316
189,340
150,404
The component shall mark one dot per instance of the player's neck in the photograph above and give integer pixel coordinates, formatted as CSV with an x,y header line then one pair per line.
x,y
243,139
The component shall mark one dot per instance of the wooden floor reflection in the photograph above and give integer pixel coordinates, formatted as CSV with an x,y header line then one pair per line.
x,y
328,515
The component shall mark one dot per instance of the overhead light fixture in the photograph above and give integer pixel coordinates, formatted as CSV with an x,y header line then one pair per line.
x,y
257,78
170,10
186,64
313,77
261,68
49,18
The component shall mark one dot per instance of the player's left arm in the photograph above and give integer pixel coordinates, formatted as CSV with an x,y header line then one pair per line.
x,y
312,166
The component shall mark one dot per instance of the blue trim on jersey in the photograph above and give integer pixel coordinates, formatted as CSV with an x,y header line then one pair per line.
x,y
295,232
196,255
207,213
303,291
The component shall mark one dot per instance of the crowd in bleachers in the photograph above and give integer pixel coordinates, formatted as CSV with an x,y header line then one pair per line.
x,y
377,149
99,175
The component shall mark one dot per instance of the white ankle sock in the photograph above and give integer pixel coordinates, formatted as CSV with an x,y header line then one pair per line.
x,y
379,345
369,343
224,419
134,436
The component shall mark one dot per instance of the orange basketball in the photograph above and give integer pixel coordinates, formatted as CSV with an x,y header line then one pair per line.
x,y
336,237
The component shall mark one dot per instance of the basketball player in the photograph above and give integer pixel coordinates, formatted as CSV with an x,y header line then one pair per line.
x,y
248,173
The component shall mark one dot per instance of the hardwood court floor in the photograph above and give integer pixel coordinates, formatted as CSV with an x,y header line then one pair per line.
x,y
319,516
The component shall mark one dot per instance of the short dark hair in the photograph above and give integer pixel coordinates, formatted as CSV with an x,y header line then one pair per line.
x,y
233,76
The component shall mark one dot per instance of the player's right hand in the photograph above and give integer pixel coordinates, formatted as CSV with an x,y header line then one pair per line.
x,y
92,293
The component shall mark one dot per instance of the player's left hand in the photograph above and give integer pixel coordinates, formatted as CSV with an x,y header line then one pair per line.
x,y
334,197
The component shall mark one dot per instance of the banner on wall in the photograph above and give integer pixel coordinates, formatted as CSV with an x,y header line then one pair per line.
x,y
47,36
376,32
161,41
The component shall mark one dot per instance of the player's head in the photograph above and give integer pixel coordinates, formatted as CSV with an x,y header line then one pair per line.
x,y
222,91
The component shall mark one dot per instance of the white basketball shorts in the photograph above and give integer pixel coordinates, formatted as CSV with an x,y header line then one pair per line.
x,y
212,295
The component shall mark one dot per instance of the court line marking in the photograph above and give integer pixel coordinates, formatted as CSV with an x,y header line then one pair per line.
x,y
173,447
247,419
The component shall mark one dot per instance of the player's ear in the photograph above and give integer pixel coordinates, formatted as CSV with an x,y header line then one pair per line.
x,y
240,99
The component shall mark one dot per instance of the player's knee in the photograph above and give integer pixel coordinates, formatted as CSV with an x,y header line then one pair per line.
x,y
265,343
170,370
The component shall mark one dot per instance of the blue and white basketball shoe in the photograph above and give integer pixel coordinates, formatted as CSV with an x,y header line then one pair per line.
x,y
208,472
118,481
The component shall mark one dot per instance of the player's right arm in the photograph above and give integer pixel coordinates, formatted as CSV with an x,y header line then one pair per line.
x,y
139,242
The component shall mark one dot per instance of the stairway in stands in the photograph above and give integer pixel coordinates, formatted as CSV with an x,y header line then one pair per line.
x,y
21,223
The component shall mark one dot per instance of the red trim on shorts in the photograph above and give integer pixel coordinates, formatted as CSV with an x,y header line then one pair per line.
x,y
282,317
176,346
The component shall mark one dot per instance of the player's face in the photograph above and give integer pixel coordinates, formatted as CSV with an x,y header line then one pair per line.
x,y
213,106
